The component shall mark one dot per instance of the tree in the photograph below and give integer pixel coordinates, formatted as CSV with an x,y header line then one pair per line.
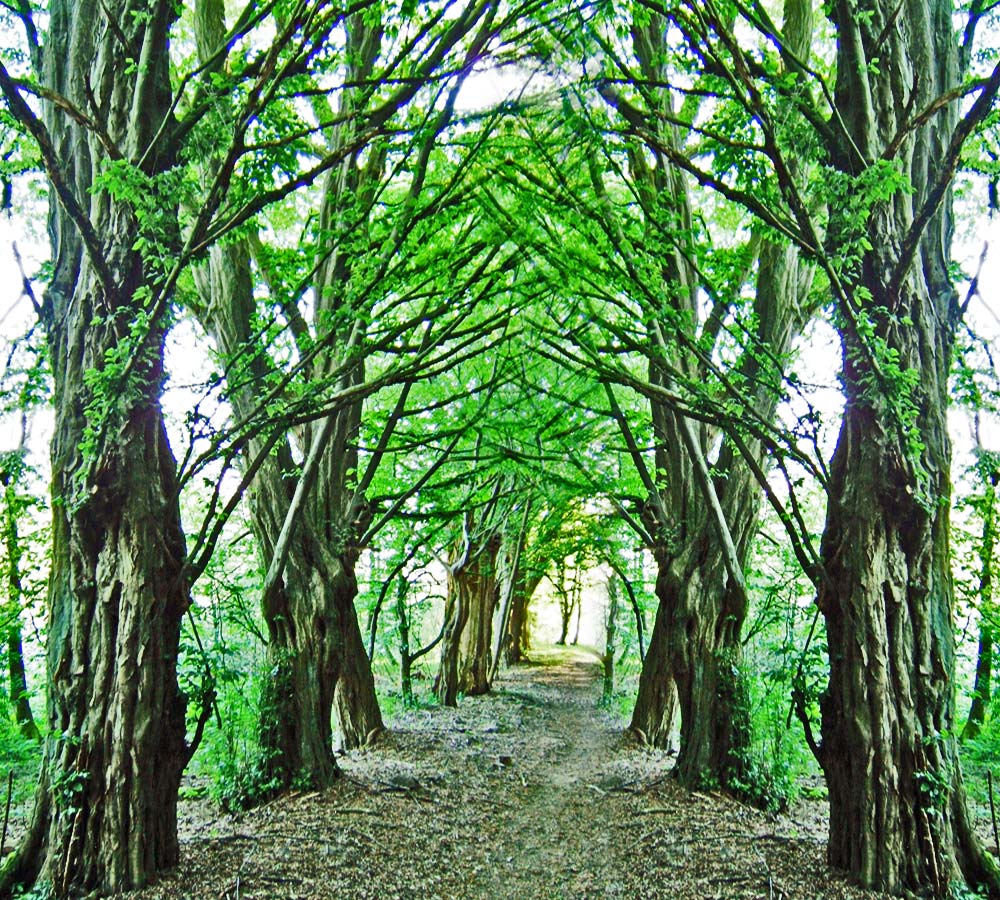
x,y
987,470
118,586
383,304
661,296
883,584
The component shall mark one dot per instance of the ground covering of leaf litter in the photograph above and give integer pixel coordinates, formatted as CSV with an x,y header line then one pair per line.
x,y
531,793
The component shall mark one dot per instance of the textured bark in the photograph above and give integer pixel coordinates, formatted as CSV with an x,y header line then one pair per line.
x,y
456,613
897,805
695,653
515,642
518,638
316,656
479,588
466,646
105,816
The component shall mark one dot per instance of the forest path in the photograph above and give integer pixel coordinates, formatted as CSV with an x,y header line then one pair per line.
x,y
529,793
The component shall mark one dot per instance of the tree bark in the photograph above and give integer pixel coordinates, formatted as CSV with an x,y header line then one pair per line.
x,y
703,527
480,589
515,643
518,639
466,647
105,814
897,804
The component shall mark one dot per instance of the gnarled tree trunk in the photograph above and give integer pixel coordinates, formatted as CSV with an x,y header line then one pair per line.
x,y
105,816
695,651
898,817
466,649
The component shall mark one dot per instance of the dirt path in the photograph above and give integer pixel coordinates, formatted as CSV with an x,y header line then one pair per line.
x,y
528,794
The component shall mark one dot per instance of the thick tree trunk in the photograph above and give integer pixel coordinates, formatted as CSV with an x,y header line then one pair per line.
x,y
303,622
897,806
466,647
316,657
898,817
480,590
105,815
355,703
515,642
518,639
514,645
656,700
697,629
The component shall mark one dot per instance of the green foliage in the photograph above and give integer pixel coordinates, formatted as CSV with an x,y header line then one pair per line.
x,y
231,755
21,756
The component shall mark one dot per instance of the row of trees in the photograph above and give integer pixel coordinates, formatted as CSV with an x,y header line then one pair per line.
x,y
393,278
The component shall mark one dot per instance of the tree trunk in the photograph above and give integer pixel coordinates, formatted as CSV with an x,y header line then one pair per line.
x,y
405,656
16,677
695,652
18,684
578,606
888,750
480,589
466,646
316,657
359,718
897,804
105,816
518,625
608,659
982,688
456,612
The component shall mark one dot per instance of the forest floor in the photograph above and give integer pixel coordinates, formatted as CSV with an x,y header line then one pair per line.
x,y
530,793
